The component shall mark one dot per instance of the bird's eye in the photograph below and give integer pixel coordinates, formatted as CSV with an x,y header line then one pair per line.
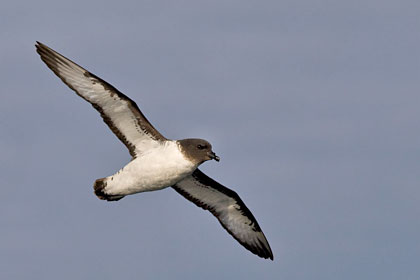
x,y
200,147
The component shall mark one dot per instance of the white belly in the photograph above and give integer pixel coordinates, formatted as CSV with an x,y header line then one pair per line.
x,y
155,170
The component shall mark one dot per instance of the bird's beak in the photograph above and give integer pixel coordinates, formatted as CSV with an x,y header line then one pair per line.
x,y
212,155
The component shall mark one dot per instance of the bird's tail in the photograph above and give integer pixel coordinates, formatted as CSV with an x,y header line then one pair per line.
x,y
99,188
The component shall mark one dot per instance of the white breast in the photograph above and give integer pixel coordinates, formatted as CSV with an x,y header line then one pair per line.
x,y
156,169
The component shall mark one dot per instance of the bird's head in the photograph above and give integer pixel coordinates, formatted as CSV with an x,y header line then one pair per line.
x,y
197,150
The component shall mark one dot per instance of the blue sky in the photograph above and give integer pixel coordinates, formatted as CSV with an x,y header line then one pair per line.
x,y
313,107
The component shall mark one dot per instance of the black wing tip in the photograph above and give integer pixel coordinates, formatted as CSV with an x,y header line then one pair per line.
x,y
267,257
40,46
262,250
44,51
268,254
271,256
266,250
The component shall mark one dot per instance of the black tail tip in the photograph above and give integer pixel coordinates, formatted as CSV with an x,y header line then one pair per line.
x,y
99,189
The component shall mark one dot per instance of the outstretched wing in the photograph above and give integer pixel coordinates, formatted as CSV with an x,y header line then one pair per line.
x,y
228,208
118,111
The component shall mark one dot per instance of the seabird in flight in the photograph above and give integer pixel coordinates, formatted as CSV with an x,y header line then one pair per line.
x,y
157,162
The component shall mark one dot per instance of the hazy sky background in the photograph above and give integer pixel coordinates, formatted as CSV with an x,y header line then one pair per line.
x,y
313,107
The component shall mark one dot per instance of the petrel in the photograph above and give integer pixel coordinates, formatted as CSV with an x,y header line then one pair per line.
x,y
157,162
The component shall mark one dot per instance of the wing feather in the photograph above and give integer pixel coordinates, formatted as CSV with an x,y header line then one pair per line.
x,y
119,112
228,208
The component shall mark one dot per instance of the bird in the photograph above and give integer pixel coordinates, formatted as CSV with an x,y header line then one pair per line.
x,y
157,162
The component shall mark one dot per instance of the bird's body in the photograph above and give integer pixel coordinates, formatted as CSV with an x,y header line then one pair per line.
x,y
157,162
158,168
